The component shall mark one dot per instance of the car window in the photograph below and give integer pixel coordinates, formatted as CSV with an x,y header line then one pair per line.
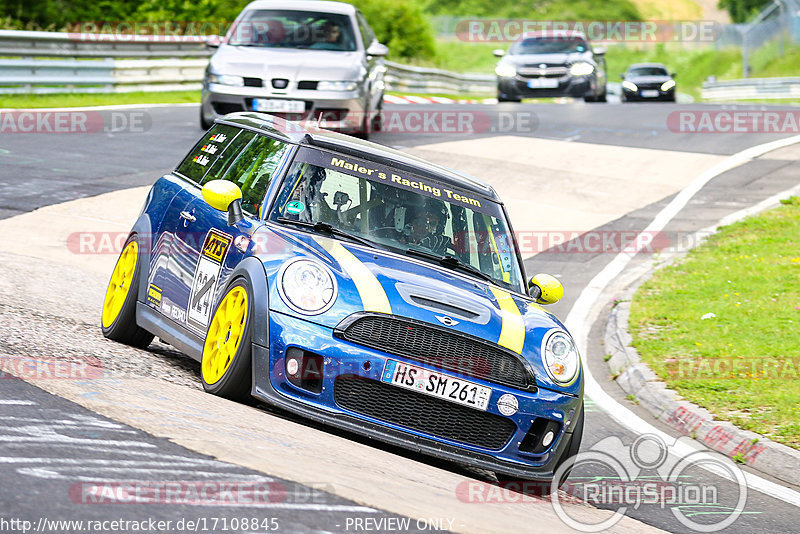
x,y
229,154
367,34
286,28
549,45
206,151
647,71
253,169
399,211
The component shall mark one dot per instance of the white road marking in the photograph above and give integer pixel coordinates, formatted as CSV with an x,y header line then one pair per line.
x,y
17,402
580,318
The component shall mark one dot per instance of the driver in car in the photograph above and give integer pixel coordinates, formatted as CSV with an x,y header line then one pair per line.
x,y
426,231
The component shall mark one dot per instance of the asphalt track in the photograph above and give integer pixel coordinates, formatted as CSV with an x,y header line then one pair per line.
x,y
40,170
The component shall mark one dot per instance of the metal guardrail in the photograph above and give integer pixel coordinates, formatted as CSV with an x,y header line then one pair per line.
x,y
752,89
92,63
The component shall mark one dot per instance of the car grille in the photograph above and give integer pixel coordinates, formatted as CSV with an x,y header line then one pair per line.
x,y
550,71
308,85
439,348
422,413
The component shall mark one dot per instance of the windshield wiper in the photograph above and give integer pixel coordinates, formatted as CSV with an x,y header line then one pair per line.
x,y
449,261
325,228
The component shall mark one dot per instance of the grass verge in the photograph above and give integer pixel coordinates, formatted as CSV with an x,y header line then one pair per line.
x,y
100,99
721,326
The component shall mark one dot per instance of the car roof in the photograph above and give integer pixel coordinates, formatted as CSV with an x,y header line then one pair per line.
x,y
638,65
545,34
303,5
292,132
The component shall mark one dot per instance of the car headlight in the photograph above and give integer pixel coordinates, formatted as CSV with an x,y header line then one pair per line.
x,y
505,70
630,86
226,79
669,84
581,68
337,86
307,286
561,357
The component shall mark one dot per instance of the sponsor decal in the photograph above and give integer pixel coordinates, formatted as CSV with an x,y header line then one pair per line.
x,y
211,149
508,404
206,277
178,314
201,159
218,138
154,295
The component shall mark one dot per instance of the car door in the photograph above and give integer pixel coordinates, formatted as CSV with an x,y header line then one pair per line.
x,y
206,247
209,152
374,65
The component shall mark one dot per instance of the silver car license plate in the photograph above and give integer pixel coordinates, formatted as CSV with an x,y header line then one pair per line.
x,y
543,83
273,105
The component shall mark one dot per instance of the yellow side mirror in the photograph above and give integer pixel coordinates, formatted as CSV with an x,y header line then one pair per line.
x,y
545,289
220,193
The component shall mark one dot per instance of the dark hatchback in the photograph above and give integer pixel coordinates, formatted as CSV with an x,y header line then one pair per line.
x,y
648,81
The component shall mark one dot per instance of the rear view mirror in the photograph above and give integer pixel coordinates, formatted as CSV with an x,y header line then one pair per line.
x,y
499,52
213,41
545,289
377,49
223,195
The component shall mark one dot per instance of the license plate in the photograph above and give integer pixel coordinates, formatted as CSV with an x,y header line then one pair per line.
x,y
436,384
649,94
275,105
543,83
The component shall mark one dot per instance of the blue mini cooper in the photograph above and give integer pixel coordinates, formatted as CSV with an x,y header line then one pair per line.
x,y
357,286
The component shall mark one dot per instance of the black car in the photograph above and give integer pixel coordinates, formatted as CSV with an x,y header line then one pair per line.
x,y
648,81
546,64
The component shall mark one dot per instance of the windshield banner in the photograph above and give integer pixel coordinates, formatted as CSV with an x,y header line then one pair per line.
x,y
378,173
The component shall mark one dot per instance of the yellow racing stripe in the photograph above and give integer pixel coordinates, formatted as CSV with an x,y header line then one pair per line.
x,y
372,294
512,333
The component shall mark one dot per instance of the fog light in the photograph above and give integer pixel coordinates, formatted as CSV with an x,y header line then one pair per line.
x,y
548,439
292,366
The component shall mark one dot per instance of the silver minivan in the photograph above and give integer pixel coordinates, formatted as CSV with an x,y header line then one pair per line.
x,y
301,60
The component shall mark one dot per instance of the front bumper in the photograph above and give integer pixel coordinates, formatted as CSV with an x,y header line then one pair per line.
x,y
574,86
345,358
655,94
343,111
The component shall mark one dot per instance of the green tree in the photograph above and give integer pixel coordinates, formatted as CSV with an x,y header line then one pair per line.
x,y
741,10
400,25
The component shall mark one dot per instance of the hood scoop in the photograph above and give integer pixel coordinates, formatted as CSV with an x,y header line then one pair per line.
x,y
440,302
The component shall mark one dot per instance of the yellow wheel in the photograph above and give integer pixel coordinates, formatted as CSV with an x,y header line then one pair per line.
x,y
225,367
119,305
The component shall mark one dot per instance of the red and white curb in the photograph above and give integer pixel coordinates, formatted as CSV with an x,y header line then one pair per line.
x,y
412,99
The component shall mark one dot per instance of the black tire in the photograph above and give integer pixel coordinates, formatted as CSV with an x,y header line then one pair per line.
x,y
544,488
236,382
603,97
204,124
589,98
124,328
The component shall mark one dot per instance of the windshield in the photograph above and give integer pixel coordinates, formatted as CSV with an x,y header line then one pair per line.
x,y
648,71
294,29
549,45
398,211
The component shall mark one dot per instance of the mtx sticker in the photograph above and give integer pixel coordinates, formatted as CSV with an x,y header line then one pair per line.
x,y
206,277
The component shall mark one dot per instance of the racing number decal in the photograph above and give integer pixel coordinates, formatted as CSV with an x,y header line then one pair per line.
x,y
206,277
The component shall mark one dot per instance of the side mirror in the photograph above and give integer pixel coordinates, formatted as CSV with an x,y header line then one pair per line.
x,y
377,49
223,195
621,76
545,289
672,74
599,51
213,41
499,52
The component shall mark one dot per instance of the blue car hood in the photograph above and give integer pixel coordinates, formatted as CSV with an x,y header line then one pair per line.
x,y
371,279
